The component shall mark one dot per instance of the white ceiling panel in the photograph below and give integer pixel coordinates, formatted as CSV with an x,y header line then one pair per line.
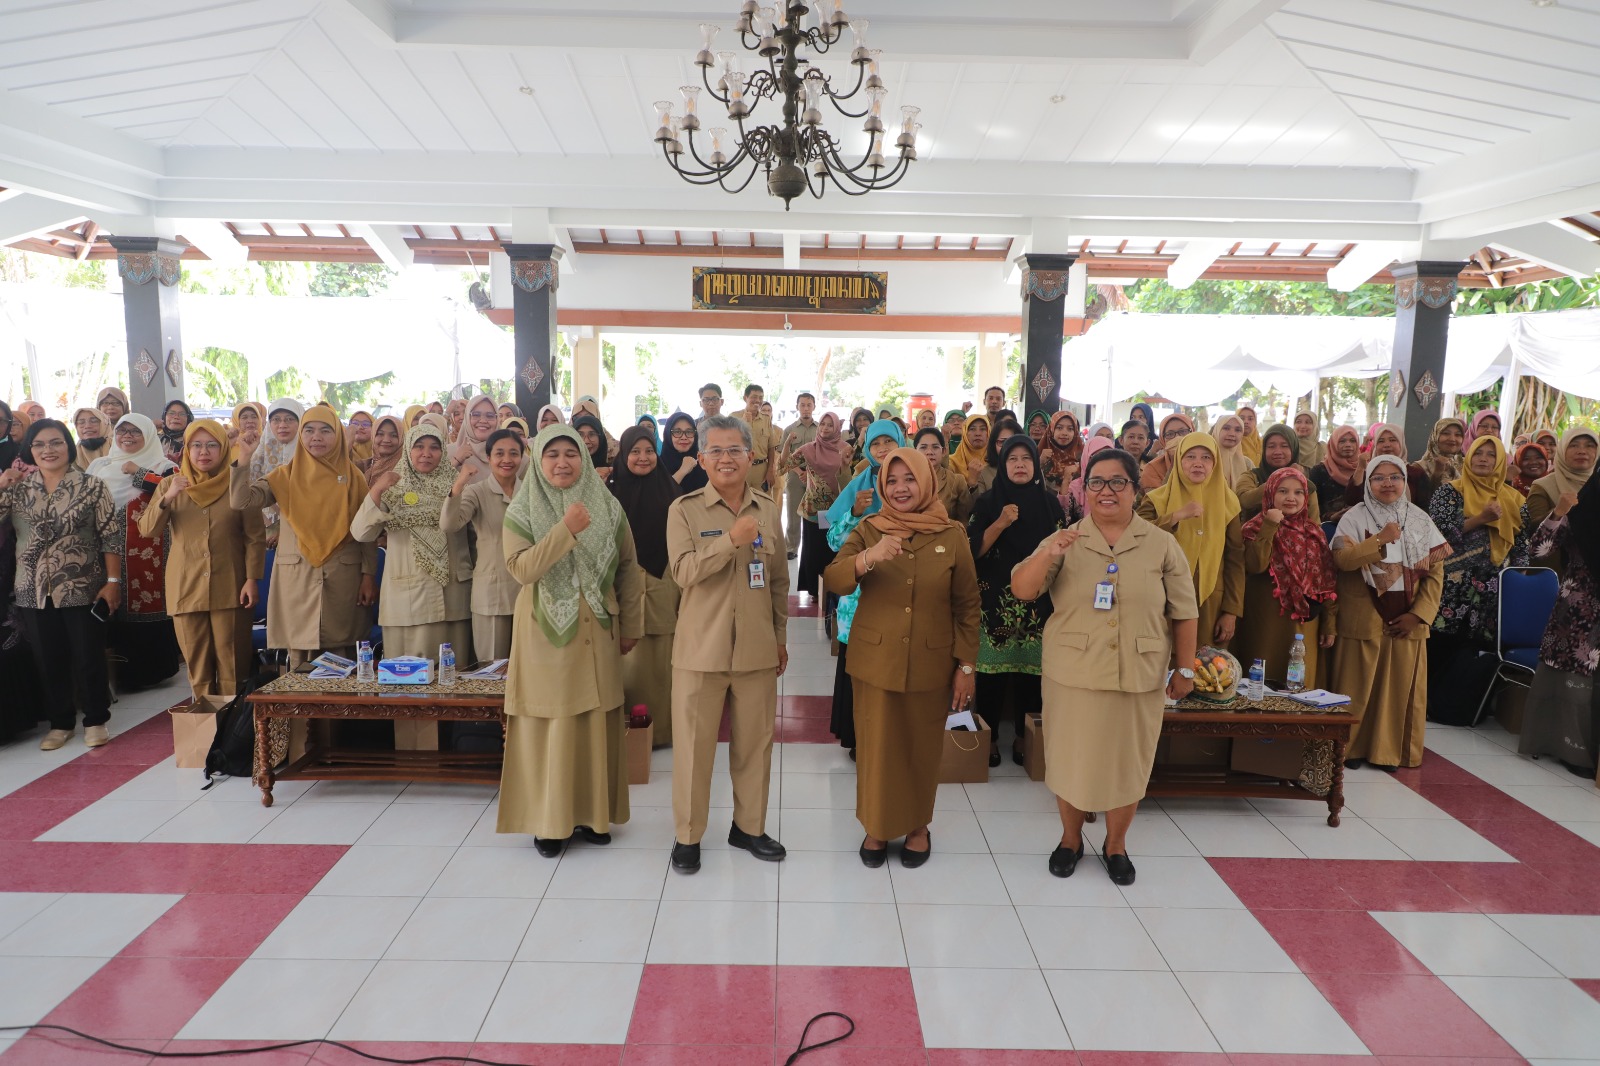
x,y
444,77
324,64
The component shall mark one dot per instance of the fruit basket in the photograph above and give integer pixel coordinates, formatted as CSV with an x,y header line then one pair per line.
x,y
1216,675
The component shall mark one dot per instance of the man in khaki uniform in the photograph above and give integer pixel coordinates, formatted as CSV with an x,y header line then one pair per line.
x,y
726,550
765,440
800,432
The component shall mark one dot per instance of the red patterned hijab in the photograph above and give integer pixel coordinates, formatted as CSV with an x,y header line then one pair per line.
x,y
1301,565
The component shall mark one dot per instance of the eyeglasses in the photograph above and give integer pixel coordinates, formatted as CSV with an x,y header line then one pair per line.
x,y
725,453
1385,479
685,434
204,446
1115,484
360,423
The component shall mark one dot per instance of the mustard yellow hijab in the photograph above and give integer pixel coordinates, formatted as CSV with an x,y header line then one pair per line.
x,y
1478,489
1251,443
320,497
1204,538
965,454
206,489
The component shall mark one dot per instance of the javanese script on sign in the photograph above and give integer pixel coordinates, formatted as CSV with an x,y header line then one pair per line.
x,y
721,289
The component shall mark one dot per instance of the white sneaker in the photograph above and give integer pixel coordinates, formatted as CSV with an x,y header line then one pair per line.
x,y
96,736
54,739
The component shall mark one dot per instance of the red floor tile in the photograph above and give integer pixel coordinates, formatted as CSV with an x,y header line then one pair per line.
x,y
1579,882
59,1049
880,1001
336,1056
296,1056
1471,802
1433,1060
143,750
705,1005
1506,888
1286,884
806,610
984,1057
805,706
804,731
698,1055
1397,886
1408,1014
26,819
1152,1058
202,925
550,1054
1589,985
846,1055
102,867
81,779
273,869
1536,840
1343,942
146,998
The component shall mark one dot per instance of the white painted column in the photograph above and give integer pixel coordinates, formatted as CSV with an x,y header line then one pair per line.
x,y
586,365
953,392
991,366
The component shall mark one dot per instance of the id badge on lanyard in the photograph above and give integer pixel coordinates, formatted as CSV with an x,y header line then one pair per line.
x,y
757,568
1105,591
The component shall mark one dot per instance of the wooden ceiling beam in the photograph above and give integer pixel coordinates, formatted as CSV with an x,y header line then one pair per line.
x,y
91,230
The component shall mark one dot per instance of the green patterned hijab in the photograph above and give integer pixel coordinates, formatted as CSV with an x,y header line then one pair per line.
x,y
590,568
416,502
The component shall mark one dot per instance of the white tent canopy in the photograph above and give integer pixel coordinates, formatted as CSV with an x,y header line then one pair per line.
x,y
1196,360
431,343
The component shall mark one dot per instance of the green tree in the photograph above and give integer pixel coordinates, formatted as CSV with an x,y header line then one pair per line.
x,y
894,394
350,279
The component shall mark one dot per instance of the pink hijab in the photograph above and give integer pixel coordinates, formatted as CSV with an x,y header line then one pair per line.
x,y
1090,448
1477,420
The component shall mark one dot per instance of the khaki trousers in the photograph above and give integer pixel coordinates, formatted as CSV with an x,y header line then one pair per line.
x,y
697,700
216,649
793,526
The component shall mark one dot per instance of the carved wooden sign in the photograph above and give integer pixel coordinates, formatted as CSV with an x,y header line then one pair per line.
x,y
725,289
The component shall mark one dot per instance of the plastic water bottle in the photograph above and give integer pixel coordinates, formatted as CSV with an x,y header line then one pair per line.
x,y
365,670
1295,680
1256,689
447,664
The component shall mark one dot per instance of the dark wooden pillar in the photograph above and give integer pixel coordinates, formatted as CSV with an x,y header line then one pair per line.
x,y
1423,292
1044,284
149,267
535,275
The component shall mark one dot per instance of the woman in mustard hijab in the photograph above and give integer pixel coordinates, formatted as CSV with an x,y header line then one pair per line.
x,y
1197,507
217,556
969,458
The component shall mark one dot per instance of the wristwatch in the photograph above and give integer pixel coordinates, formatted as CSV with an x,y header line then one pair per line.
x,y
1185,672
965,669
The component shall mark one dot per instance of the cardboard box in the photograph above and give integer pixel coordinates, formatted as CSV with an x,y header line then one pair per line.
x,y
639,742
1271,758
194,727
966,756
1193,752
1033,747
405,670
1507,706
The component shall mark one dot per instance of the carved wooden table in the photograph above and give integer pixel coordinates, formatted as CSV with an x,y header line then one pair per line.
x,y
1274,718
342,699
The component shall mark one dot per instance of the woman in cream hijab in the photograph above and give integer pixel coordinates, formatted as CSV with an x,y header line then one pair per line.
x,y
1202,512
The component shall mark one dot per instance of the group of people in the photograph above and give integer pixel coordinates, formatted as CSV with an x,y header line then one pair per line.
x,y
977,562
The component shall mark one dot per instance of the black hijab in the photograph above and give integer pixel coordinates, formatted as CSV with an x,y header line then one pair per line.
x,y
1039,514
644,500
174,438
696,478
993,450
9,449
597,455
1584,534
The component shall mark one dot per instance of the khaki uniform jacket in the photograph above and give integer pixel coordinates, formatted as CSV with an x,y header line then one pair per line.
x,y
1257,568
483,506
545,681
918,613
409,596
215,550
765,443
1358,614
310,607
1250,493
661,595
1231,581
736,628
1128,648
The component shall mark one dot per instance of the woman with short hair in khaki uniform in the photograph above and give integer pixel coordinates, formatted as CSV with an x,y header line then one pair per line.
x,y
217,556
1196,505
580,609
1124,608
482,505
913,644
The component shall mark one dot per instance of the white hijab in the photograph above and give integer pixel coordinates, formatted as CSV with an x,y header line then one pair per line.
x,y
108,468
273,452
1420,540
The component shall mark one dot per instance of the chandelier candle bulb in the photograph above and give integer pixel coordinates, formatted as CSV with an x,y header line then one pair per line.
x,y
663,121
691,93
708,35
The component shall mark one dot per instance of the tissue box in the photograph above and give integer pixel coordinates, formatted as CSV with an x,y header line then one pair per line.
x,y
405,670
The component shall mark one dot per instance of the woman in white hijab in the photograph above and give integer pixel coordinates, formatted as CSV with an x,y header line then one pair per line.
x,y
142,637
278,442
481,419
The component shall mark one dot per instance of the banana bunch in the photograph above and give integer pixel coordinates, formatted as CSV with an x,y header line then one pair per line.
x,y
1213,675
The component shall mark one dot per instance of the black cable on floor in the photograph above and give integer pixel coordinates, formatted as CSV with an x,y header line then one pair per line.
x,y
466,1059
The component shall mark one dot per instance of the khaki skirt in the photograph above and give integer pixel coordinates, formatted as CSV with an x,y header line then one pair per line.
x,y
560,773
899,742
1100,745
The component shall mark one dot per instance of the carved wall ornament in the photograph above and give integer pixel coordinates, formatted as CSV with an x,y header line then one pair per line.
x,y
1433,292
1044,384
1397,388
174,366
140,268
1046,285
1426,389
531,275
145,367
532,374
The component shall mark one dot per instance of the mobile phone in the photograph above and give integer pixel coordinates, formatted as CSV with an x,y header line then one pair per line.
x,y
100,611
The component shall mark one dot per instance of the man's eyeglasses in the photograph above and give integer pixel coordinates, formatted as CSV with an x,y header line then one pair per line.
x,y
1115,484
729,453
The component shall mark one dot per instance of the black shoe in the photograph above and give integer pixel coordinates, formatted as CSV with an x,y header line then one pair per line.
x,y
1064,860
872,858
913,859
852,755
1354,764
1585,772
794,555
546,847
686,858
1017,755
1120,867
1385,767
994,757
762,847
589,836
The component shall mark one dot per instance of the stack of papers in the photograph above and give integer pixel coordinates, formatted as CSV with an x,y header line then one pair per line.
x,y
1317,697
490,671
329,665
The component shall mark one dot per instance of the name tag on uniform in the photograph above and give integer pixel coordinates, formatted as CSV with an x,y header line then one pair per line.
x,y
758,574
711,532
1102,596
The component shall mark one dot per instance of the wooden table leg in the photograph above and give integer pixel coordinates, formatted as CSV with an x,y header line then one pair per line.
x,y
1336,790
264,754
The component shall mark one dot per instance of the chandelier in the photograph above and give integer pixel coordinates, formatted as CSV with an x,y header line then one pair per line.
x,y
800,155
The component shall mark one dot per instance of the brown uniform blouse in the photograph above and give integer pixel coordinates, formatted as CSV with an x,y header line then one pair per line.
x,y
918,612
585,674
1129,647
409,596
737,628
1358,614
215,550
483,506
